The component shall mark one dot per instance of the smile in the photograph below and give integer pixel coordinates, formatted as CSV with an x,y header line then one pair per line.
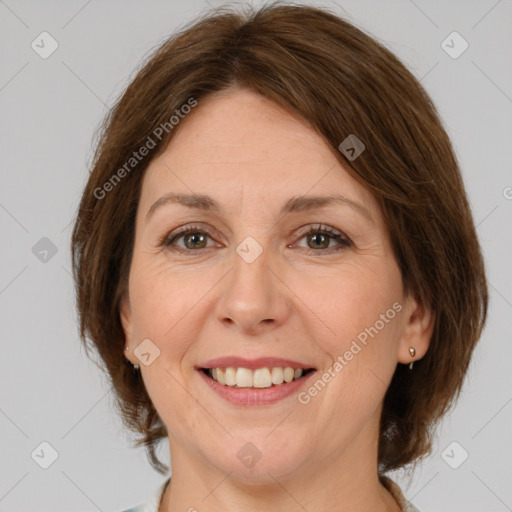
x,y
258,378
264,383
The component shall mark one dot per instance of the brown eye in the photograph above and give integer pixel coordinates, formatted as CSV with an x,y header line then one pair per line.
x,y
187,240
319,238
194,240
319,241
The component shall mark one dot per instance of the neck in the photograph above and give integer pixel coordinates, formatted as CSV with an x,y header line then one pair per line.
x,y
341,483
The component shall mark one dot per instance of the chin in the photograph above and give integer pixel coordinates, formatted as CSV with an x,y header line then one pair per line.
x,y
260,459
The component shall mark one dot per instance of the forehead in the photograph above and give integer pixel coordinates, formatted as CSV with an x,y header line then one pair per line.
x,y
242,143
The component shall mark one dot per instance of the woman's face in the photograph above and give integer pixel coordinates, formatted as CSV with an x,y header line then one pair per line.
x,y
249,281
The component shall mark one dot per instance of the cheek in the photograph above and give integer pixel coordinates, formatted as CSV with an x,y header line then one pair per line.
x,y
362,352
350,307
361,308
165,304
160,295
170,306
161,300
367,324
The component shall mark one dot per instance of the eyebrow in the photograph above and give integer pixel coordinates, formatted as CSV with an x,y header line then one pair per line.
x,y
294,204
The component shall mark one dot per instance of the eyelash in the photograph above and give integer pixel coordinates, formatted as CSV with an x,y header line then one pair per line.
x,y
167,241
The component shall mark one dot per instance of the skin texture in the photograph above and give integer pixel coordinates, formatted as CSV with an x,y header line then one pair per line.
x,y
303,298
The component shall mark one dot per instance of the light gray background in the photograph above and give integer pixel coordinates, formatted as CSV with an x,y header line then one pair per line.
x,y
50,109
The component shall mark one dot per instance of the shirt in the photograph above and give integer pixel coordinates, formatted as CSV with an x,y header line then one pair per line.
x,y
153,503
396,492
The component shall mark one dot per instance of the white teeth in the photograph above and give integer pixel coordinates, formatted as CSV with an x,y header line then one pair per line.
x,y
220,377
288,374
230,376
262,378
244,378
277,376
259,378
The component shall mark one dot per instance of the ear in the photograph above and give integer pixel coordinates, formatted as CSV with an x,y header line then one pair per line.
x,y
417,330
125,313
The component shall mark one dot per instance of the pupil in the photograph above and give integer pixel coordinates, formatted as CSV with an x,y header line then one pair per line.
x,y
323,237
193,240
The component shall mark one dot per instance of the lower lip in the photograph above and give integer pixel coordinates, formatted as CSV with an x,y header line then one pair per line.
x,y
254,396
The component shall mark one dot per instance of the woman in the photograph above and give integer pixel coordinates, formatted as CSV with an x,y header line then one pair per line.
x,y
275,258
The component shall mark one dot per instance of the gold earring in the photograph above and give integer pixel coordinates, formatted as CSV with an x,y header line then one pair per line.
x,y
135,366
412,351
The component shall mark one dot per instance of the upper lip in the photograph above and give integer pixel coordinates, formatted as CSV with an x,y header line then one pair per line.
x,y
252,364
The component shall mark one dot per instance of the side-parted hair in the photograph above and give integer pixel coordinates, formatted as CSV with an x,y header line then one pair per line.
x,y
341,81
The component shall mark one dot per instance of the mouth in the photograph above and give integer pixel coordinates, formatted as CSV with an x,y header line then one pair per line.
x,y
252,382
257,386
257,378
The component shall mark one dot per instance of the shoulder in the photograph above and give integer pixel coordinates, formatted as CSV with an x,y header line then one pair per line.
x,y
153,502
396,492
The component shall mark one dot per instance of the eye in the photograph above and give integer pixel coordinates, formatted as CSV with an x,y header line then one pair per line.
x,y
319,238
194,239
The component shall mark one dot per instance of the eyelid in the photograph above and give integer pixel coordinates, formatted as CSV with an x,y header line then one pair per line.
x,y
333,233
167,238
318,226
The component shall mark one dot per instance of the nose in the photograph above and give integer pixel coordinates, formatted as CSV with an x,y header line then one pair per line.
x,y
254,299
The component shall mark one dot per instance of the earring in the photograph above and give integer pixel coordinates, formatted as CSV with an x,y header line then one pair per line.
x,y
135,366
412,351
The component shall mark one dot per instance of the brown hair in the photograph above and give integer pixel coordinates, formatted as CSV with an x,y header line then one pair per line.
x,y
342,82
